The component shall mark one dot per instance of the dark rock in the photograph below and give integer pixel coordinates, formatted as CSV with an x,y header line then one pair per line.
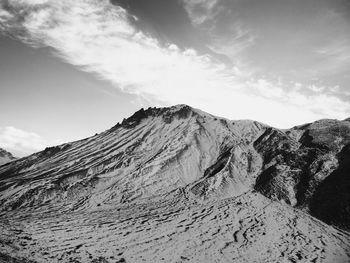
x,y
331,200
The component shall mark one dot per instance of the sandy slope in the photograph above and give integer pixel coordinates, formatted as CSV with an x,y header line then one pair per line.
x,y
177,184
249,228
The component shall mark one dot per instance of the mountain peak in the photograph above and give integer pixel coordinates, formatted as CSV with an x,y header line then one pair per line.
x,y
179,107
168,114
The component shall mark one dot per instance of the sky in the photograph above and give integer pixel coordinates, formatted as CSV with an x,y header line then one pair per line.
x,y
70,69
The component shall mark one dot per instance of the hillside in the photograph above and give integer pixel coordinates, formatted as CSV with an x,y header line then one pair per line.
x,y
178,184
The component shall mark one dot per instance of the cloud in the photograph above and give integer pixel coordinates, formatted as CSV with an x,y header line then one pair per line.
x,y
337,54
235,40
20,143
99,37
227,35
200,11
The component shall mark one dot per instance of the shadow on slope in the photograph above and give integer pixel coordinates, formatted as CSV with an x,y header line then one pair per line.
x,y
331,201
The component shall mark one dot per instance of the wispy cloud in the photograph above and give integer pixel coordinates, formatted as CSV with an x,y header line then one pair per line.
x,y
100,38
200,11
19,142
228,39
234,41
337,53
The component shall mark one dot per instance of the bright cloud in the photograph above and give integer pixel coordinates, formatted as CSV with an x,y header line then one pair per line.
x,y
100,38
20,143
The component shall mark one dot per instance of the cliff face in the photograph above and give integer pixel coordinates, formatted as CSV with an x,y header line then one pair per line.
x,y
5,157
184,158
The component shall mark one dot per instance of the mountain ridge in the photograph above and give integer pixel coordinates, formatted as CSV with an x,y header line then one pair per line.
x,y
166,115
312,139
191,159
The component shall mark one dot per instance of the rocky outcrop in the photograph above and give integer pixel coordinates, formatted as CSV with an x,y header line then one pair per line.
x,y
330,201
301,163
5,157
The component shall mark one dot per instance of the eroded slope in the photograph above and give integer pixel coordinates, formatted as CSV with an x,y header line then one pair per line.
x,y
177,184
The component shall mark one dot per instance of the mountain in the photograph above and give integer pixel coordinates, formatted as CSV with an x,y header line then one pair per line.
x,y
308,167
5,157
177,184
